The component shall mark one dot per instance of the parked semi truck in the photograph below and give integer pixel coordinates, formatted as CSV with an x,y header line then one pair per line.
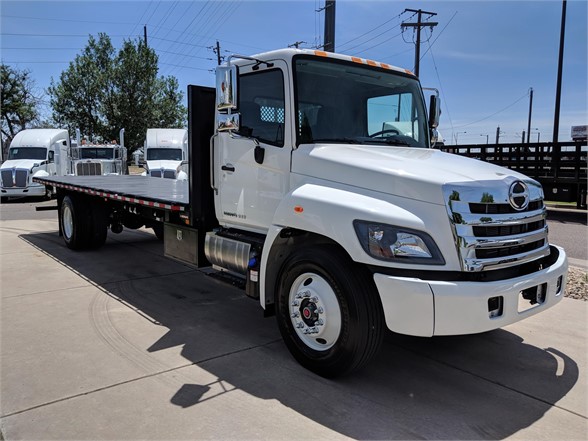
x,y
166,153
34,152
90,159
338,227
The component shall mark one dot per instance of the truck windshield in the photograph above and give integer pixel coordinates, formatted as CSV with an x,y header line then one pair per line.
x,y
155,154
346,102
97,153
27,153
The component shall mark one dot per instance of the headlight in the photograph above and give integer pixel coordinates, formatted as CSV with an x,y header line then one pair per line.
x,y
391,243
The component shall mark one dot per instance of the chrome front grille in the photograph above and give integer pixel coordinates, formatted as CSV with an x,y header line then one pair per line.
x,y
15,178
88,169
490,232
169,174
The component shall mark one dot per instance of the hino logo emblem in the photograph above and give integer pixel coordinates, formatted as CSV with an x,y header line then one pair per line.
x,y
518,195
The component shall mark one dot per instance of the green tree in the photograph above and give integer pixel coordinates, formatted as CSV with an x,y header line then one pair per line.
x,y
19,106
103,91
78,99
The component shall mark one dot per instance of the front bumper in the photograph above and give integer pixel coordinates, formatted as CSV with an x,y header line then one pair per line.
x,y
31,190
425,308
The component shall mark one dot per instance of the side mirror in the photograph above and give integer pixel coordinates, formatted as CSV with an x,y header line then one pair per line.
x,y
434,111
51,156
226,87
228,122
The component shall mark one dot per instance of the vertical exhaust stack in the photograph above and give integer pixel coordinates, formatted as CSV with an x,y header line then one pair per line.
x,y
78,137
121,135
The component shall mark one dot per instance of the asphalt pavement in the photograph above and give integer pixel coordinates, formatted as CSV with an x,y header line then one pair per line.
x,y
123,343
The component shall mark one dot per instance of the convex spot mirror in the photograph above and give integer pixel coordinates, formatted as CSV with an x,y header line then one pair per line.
x,y
226,88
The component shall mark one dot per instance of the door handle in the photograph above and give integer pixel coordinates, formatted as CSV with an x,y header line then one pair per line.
x,y
228,167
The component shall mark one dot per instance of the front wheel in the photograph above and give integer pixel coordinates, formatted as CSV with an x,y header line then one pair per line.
x,y
328,311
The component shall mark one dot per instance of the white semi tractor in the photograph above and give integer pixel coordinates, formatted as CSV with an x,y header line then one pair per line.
x,y
337,226
166,153
34,152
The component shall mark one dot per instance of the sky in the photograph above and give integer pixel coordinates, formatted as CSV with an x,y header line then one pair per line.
x,y
483,56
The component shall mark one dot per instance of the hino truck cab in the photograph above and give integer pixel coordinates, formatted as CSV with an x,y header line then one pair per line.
x,y
34,153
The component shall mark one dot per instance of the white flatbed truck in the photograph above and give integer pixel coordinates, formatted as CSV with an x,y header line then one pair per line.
x,y
336,226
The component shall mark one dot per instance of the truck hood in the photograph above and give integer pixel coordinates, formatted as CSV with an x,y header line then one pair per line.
x,y
414,173
163,164
20,163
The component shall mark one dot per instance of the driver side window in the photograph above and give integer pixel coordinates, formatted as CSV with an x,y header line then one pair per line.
x,y
261,105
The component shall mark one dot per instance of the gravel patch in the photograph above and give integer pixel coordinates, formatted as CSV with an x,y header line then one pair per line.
x,y
577,286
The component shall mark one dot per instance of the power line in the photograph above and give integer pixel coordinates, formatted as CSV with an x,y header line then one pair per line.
x,y
53,35
438,35
371,30
379,44
441,86
187,67
496,113
67,20
178,42
43,48
373,38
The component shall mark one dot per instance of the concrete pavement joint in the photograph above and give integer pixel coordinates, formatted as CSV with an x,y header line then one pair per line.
x,y
155,374
45,292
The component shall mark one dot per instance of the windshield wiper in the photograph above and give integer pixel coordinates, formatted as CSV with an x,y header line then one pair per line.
x,y
388,141
339,140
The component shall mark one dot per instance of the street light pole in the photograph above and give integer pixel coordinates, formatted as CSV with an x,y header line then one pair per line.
x,y
457,133
486,135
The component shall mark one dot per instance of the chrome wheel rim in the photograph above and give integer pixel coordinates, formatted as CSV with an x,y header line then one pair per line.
x,y
315,312
67,222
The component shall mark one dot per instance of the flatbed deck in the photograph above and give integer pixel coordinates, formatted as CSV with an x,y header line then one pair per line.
x,y
168,194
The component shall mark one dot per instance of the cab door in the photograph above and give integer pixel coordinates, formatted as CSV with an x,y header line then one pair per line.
x,y
252,167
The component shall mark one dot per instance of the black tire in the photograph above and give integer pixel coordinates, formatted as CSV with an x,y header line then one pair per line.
x,y
75,222
158,230
99,225
350,334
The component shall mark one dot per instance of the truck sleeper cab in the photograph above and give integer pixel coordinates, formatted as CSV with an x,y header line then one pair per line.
x,y
166,153
33,152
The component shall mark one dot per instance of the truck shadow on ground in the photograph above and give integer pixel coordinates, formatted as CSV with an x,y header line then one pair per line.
x,y
486,386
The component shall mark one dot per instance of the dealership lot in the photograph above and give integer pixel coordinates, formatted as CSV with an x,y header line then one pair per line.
x,y
123,343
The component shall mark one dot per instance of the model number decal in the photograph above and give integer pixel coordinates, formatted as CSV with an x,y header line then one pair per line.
x,y
236,215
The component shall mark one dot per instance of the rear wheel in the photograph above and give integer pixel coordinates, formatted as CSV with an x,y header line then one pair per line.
x,y
75,222
328,311
83,225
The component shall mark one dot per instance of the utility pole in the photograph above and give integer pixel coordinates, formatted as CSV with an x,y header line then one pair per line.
x,y
145,34
329,45
497,134
559,74
530,111
418,25
216,50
